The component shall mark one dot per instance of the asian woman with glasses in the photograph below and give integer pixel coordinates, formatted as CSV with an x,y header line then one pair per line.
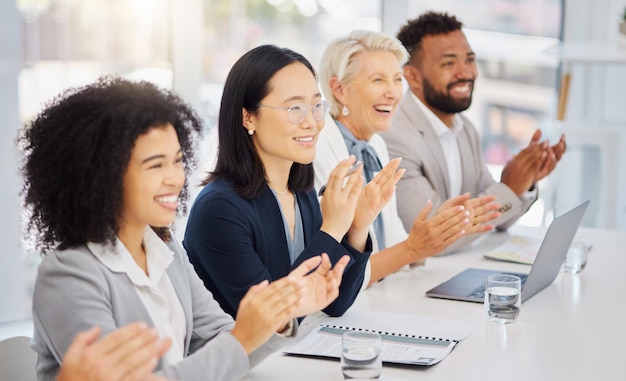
x,y
259,201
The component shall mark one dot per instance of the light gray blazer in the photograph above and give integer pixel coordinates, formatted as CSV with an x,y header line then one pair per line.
x,y
74,291
413,138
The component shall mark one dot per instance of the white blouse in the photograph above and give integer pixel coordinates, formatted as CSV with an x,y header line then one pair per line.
x,y
155,289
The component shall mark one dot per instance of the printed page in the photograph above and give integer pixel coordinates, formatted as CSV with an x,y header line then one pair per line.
x,y
406,339
325,341
518,249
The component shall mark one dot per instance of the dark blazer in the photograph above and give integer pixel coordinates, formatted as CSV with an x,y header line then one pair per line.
x,y
235,243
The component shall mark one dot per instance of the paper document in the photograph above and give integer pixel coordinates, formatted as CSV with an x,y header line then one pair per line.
x,y
406,339
518,249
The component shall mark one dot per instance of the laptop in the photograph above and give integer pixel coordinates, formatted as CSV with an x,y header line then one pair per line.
x,y
469,285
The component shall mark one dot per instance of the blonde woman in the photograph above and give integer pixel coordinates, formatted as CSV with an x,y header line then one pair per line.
x,y
361,75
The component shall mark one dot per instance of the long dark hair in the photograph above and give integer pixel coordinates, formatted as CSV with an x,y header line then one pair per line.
x,y
247,84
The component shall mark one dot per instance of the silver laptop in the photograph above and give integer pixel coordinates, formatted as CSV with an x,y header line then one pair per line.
x,y
469,285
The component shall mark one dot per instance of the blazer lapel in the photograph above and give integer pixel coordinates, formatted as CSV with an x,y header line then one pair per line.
x,y
432,144
336,143
272,223
178,276
467,159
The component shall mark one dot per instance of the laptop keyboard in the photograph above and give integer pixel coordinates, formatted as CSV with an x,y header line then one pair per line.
x,y
479,292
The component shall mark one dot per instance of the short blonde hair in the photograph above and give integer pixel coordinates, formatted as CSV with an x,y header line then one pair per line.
x,y
338,59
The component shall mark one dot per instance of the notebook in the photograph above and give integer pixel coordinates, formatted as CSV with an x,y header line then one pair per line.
x,y
406,339
469,284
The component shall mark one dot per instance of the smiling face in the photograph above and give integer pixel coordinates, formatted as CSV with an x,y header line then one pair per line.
x,y
279,142
153,180
372,94
444,76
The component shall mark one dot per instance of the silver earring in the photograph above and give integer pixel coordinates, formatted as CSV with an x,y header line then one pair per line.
x,y
345,111
250,132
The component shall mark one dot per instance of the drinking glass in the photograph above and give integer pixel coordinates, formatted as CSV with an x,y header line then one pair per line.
x,y
576,258
360,356
503,298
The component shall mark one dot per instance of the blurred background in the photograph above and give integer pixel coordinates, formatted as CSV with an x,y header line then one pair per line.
x,y
189,46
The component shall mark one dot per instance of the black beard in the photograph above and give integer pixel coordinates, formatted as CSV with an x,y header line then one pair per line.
x,y
443,101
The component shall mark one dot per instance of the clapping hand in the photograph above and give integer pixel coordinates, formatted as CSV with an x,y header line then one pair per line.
x,y
377,194
129,353
340,200
268,307
533,163
430,236
482,210
322,282
554,154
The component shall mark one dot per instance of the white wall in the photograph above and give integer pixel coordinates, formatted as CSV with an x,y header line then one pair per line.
x,y
596,102
13,301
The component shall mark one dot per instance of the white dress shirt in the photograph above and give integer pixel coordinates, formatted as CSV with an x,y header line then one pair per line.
x,y
447,137
155,289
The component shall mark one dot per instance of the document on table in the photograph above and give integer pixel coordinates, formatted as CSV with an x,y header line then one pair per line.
x,y
517,249
406,339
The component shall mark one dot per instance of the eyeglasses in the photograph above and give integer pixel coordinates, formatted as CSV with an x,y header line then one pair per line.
x,y
297,112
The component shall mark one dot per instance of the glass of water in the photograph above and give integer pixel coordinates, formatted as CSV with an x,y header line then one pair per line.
x,y
503,298
360,356
576,258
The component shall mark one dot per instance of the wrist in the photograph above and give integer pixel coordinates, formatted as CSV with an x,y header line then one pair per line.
x,y
335,233
412,250
245,344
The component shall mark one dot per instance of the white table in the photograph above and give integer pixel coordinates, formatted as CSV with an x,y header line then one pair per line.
x,y
571,330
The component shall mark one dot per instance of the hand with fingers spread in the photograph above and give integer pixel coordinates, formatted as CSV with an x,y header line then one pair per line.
x,y
533,163
482,210
377,194
267,308
429,236
339,201
128,354
322,284
554,154
521,171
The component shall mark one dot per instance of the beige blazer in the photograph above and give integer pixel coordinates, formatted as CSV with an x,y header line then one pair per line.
x,y
413,138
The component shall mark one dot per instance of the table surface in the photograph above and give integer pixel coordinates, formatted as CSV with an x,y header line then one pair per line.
x,y
569,331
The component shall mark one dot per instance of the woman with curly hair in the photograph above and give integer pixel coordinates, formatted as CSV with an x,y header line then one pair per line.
x,y
104,168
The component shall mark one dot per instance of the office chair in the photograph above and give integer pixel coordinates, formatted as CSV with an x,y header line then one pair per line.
x,y
17,359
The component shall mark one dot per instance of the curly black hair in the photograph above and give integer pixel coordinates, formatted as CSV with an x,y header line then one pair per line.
x,y
77,150
428,24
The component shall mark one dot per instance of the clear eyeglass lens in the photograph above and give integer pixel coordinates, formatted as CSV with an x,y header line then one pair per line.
x,y
298,111
319,111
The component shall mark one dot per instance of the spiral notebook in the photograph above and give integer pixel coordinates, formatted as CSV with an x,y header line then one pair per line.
x,y
406,339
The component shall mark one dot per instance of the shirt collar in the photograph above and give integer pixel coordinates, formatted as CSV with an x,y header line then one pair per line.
x,y
118,259
439,126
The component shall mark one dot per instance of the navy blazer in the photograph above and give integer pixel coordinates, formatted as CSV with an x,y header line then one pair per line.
x,y
235,243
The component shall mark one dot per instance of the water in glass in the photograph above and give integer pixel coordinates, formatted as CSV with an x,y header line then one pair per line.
x,y
503,298
361,362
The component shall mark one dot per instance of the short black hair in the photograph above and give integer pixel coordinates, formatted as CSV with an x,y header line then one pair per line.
x,y
428,24
246,85
77,150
